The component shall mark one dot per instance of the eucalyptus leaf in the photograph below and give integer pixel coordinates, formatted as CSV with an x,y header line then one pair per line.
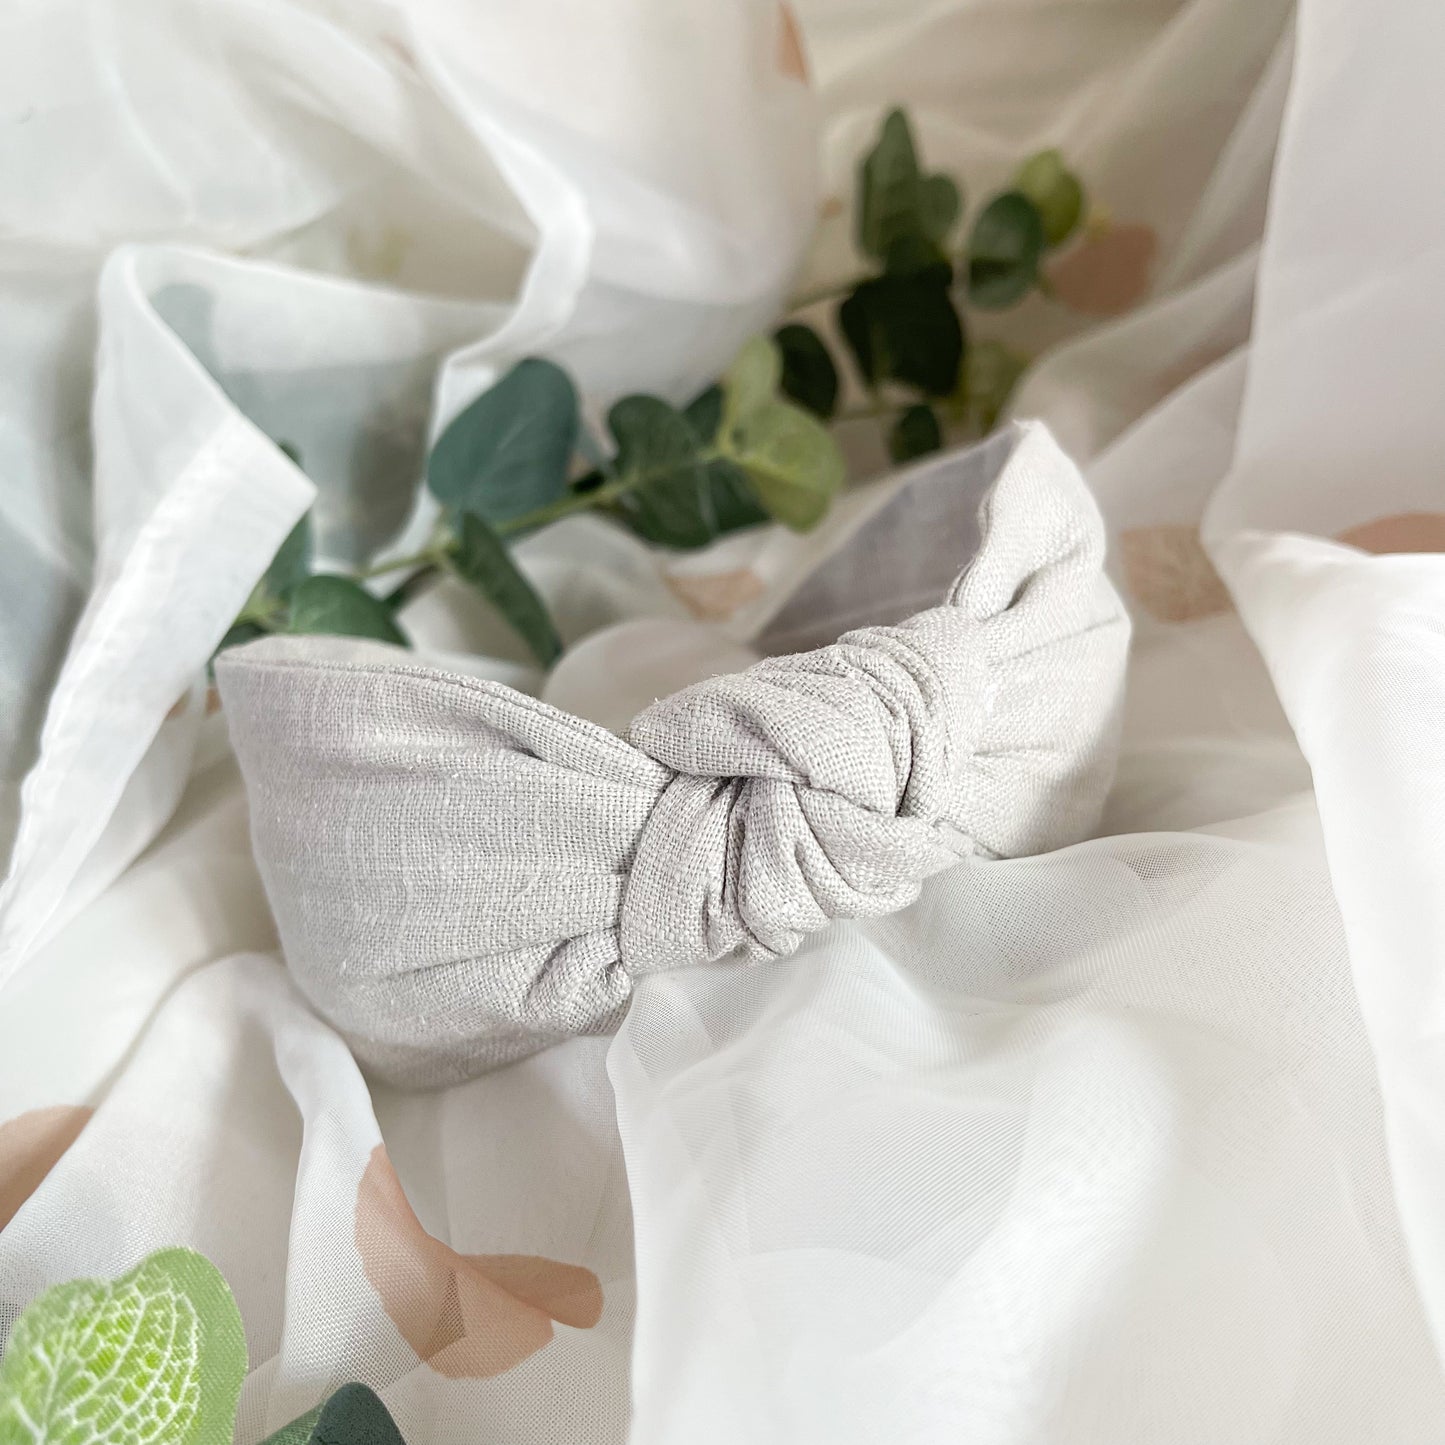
x,y
340,606
1004,250
298,1432
292,562
509,452
905,328
751,381
914,434
896,200
478,556
704,415
659,456
809,376
990,373
792,462
155,1357
1055,190
355,1415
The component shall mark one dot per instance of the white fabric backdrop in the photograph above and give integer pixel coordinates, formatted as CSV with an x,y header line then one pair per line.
x,y
1134,1142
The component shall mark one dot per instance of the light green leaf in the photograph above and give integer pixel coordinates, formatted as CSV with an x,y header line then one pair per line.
x,y
509,452
153,1358
792,462
809,376
1055,190
1004,251
990,373
342,607
914,434
905,328
478,556
751,381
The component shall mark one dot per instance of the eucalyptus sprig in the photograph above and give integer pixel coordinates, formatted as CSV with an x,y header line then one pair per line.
x,y
751,448
906,322
514,460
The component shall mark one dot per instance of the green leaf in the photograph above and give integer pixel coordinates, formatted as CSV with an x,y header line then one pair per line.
x,y
751,381
292,562
1004,251
911,256
479,557
914,434
1055,191
905,328
704,415
298,1432
509,452
658,457
345,608
792,462
155,1357
939,202
809,376
990,372
354,1415
895,200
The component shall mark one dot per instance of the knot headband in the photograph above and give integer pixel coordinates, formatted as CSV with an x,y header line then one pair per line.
x,y
462,875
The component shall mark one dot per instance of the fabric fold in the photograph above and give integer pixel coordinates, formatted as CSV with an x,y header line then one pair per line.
x,y
462,875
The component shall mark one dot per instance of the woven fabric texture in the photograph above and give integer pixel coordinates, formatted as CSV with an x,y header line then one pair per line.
x,y
462,875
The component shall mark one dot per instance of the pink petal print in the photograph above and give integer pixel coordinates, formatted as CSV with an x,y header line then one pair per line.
x,y
30,1147
469,1316
1168,572
716,597
1403,532
1108,273
791,60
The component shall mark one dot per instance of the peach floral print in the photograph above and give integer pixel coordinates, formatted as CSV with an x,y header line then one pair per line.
x,y
1106,273
1168,572
469,1316
30,1147
791,61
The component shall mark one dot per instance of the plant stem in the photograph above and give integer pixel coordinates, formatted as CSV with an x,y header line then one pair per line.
x,y
428,556
596,497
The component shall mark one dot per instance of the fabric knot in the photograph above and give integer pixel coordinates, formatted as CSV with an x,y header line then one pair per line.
x,y
462,875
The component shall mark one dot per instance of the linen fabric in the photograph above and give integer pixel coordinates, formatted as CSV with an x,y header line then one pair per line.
x,y
462,874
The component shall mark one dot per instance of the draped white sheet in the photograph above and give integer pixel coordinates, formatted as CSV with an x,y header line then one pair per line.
x,y
1138,1141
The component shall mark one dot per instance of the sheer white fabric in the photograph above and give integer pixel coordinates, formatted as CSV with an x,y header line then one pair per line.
x,y
1137,1141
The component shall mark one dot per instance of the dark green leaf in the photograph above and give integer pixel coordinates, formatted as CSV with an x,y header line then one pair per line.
x,y
1055,190
339,605
914,434
1004,251
704,415
240,633
809,376
298,1432
292,562
905,328
354,1415
990,372
792,462
508,453
939,203
912,256
896,200
670,501
479,557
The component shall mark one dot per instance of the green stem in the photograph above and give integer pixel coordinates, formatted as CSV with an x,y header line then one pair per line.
x,y
429,555
596,497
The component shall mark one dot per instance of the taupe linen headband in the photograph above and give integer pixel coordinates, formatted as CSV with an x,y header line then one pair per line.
x,y
463,875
